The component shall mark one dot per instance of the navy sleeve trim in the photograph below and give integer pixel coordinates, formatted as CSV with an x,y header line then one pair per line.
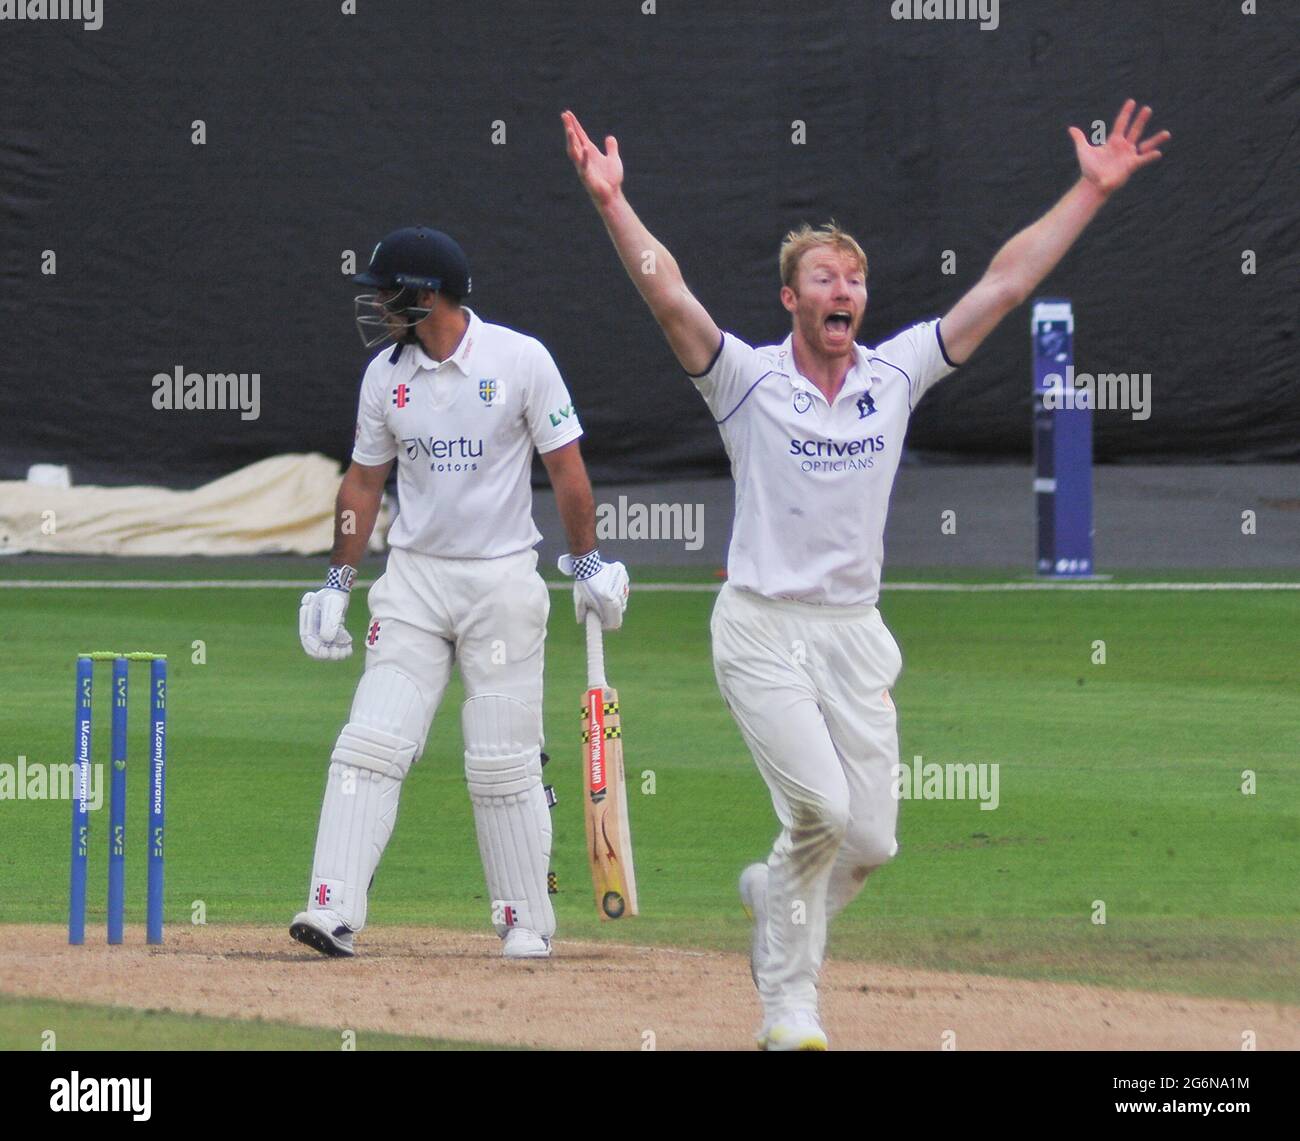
x,y
896,369
700,375
943,349
742,400
910,387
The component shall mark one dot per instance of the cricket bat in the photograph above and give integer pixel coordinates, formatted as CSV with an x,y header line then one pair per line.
x,y
609,839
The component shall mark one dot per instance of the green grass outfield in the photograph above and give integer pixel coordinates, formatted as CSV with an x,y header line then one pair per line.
x,y
308,569
82,1026
1118,782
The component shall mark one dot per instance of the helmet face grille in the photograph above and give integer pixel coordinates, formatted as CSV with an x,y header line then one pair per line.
x,y
379,319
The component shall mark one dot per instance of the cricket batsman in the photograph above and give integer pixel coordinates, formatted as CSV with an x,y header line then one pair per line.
x,y
460,404
814,430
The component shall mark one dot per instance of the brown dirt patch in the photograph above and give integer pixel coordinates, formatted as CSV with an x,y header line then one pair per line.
x,y
451,984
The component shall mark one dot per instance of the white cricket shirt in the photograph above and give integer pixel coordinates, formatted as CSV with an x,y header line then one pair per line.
x,y
812,478
463,433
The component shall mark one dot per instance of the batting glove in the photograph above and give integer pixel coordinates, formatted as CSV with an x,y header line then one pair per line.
x,y
321,616
598,586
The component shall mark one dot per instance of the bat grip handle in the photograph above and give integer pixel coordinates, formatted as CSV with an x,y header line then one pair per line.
x,y
595,652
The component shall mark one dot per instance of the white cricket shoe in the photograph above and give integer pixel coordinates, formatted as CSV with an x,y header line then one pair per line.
x,y
753,898
323,931
520,943
797,1030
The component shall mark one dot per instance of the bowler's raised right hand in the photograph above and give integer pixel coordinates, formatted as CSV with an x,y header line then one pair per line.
x,y
601,174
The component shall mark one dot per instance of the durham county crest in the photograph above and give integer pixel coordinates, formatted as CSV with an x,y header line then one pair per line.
x,y
487,390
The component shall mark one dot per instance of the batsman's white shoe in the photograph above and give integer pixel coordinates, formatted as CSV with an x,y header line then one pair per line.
x,y
798,1030
520,943
753,897
323,931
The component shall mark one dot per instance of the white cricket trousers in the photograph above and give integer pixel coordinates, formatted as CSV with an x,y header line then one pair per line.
x,y
488,616
809,687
